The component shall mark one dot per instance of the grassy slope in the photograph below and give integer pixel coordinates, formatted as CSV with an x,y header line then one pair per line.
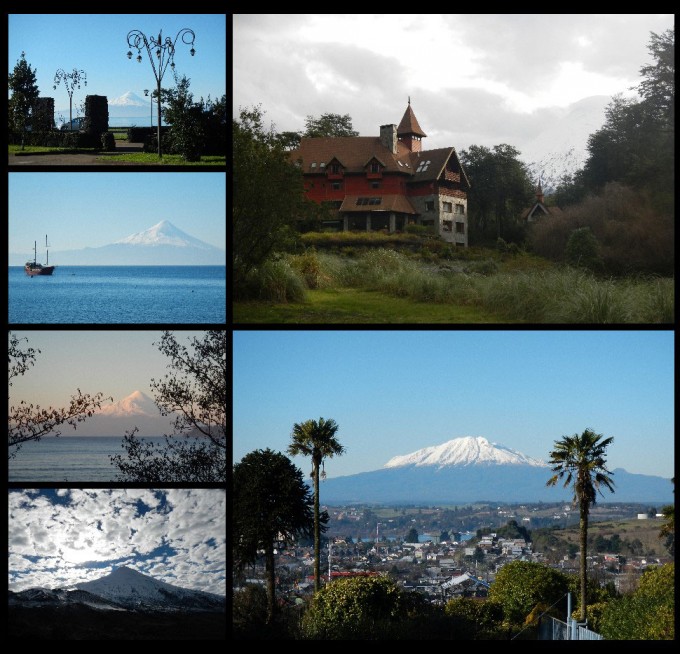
x,y
355,306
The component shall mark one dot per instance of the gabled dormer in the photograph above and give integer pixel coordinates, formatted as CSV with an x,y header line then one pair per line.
x,y
409,131
374,168
335,169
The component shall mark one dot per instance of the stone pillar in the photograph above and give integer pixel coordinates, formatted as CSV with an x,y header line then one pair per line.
x,y
393,223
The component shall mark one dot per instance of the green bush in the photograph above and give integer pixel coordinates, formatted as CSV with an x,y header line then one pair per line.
x,y
108,141
583,250
475,620
274,281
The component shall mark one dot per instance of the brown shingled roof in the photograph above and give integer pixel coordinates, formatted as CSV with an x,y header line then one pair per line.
x,y
396,203
409,124
353,151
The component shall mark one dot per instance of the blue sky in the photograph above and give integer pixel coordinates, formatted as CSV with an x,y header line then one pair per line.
x,y
394,392
62,537
115,363
97,44
79,210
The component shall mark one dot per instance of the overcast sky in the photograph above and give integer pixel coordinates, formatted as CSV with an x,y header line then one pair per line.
x,y
62,537
480,79
395,392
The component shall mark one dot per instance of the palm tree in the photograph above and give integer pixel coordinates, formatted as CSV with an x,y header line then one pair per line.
x,y
316,439
581,459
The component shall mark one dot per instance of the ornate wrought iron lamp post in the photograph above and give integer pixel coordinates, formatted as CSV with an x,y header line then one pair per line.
x,y
71,80
151,100
164,52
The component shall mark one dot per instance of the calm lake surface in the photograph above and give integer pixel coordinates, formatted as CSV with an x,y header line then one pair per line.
x,y
69,458
119,294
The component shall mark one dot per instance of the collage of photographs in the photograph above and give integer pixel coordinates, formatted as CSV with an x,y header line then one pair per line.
x,y
119,353
453,304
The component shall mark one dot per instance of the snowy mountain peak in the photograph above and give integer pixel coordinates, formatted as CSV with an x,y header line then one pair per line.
x,y
164,233
137,403
129,99
132,589
465,451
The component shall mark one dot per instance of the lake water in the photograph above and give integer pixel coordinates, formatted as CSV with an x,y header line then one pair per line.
x,y
119,294
68,458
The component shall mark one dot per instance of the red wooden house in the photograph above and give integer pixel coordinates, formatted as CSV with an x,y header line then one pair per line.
x,y
388,181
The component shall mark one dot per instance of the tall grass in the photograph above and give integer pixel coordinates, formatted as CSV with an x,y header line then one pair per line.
x,y
557,295
274,281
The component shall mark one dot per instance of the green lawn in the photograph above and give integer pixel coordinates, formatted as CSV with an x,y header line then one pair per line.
x,y
355,306
167,160
28,149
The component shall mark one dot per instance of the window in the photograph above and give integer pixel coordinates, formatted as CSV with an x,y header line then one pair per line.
x,y
448,207
399,162
313,165
429,205
322,165
365,201
375,184
336,186
447,225
375,167
422,166
335,169
460,208
460,228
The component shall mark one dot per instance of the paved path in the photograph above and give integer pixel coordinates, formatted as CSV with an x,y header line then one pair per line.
x,y
97,159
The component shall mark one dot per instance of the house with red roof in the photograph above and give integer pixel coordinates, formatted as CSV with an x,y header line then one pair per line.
x,y
387,182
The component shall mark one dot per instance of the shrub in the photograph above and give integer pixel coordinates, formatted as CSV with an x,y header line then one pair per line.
x,y
108,141
274,281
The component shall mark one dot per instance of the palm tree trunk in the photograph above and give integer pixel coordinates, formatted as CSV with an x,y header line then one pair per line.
x,y
584,552
317,533
271,582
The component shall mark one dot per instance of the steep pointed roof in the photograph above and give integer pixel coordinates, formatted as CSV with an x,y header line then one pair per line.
x,y
409,124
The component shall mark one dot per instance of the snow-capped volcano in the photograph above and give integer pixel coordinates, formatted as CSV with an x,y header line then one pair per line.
x,y
127,587
468,450
164,233
129,99
135,404
160,245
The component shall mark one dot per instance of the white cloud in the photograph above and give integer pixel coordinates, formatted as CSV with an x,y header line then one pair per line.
x,y
63,540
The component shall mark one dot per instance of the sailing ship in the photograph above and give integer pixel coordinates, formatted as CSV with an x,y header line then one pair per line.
x,y
33,268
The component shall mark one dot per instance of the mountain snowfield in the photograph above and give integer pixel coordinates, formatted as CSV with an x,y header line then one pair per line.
x,y
124,588
129,99
164,233
472,469
464,451
135,404
163,244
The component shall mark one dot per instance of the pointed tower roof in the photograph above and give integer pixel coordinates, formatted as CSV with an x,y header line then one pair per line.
x,y
409,123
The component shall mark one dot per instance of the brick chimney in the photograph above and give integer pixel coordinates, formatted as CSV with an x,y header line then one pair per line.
x,y
388,137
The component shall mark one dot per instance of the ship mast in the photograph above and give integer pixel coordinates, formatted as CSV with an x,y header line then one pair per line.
x,y
47,262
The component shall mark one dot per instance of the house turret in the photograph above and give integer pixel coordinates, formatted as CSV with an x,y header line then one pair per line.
x,y
409,131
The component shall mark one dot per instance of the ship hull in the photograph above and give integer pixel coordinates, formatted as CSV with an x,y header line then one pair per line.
x,y
45,270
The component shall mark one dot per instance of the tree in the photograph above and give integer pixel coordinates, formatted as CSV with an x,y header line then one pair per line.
x,y
500,190
329,125
583,250
581,460
316,440
185,118
27,422
412,536
24,89
272,504
268,196
364,608
667,530
194,394
658,86
646,614
521,585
